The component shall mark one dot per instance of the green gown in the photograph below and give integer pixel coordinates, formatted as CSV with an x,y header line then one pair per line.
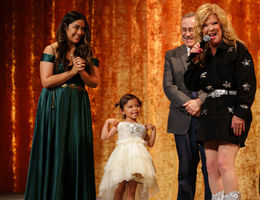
x,y
62,162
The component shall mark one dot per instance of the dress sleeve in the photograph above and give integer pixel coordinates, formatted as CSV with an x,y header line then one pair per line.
x,y
192,77
246,82
95,62
48,58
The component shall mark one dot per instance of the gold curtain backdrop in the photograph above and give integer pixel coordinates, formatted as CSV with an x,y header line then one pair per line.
x,y
130,40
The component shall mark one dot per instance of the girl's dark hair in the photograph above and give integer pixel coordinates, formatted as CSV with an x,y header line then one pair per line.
x,y
124,99
83,47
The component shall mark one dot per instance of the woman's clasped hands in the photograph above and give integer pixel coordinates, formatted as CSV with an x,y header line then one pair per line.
x,y
78,65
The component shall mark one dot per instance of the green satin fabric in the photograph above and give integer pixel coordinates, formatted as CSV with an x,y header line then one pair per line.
x,y
62,161
47,57
51,58
95,62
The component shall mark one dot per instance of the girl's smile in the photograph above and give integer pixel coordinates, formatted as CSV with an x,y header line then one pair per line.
x,y
132,110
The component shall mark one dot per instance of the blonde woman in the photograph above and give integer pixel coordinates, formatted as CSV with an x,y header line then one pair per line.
x,y
225,70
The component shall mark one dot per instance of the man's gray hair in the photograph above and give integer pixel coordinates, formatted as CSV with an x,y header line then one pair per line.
x,y
188,15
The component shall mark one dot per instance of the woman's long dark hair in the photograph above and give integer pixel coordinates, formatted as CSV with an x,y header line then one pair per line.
x,y
83,47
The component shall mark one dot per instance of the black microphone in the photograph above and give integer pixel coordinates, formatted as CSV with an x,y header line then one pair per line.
x,y
206,38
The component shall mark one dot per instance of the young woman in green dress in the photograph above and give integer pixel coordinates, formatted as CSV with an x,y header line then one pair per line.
x,y
62,163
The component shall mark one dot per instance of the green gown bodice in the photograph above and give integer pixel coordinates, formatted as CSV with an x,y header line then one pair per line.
x,y
62,162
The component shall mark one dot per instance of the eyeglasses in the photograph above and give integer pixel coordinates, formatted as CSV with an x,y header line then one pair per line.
x,y
185,30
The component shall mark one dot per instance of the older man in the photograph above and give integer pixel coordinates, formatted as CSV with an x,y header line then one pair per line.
x,y
184,108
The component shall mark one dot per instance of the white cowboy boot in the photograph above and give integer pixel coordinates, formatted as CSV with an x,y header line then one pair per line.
x,y
235,195
218,195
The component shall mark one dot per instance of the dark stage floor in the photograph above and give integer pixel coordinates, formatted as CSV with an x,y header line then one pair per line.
x,y
11,196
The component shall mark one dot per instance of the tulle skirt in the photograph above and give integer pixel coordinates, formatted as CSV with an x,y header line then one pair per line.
x,y
130,160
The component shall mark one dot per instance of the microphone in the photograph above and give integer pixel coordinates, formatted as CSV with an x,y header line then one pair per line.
x,y
206,38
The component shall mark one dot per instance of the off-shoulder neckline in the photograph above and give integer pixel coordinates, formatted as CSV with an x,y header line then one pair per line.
x,y
49,54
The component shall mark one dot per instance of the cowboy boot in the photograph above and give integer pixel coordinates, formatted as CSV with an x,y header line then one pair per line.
x,y
235,195
218,195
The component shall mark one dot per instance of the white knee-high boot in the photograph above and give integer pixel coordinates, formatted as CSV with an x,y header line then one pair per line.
x,y
235,195
218,195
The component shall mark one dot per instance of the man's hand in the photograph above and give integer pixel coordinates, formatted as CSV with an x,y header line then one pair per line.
x,y
193,107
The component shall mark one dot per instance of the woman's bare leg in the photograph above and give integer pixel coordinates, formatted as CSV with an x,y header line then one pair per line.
x,y
215,180
226,162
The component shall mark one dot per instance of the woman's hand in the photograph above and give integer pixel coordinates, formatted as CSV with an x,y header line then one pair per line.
x,y
78,65
196,48
91,80
238,125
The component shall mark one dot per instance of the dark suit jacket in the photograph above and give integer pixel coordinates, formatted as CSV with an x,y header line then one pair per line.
x,y
174,88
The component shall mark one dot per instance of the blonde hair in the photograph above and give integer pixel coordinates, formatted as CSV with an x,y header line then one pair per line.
x,y
203,12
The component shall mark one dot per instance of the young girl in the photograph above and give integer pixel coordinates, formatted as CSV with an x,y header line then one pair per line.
x,y
130,164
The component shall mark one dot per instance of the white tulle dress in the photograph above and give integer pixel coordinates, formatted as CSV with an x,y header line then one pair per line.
x,y
130,160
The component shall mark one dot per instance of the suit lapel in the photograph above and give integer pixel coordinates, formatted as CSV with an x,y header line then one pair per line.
x,y
180,60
